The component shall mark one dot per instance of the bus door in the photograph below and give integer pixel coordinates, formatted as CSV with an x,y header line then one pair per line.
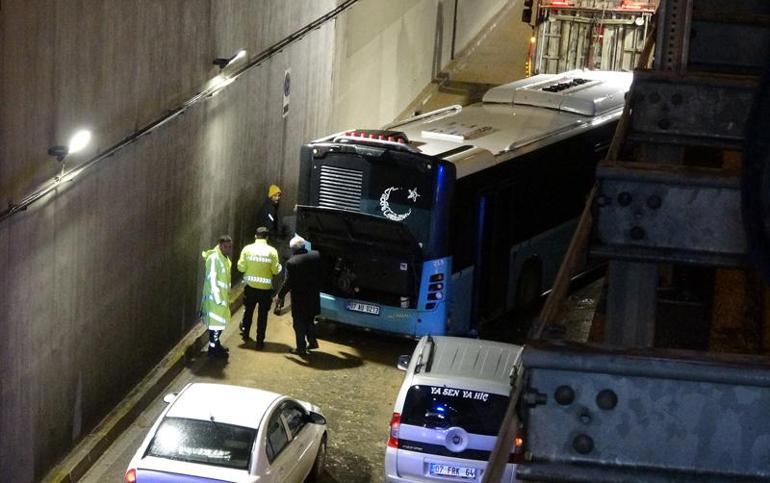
x,y
493,244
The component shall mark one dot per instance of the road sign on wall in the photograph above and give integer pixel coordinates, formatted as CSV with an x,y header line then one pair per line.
x,y
286,91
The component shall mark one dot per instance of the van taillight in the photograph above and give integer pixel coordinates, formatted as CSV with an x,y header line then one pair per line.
x,y
518,444
130,476
395,422
517,454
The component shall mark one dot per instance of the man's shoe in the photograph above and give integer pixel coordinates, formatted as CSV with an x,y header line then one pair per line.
x,y
298,352
245,336
217,353
260,346
312,346
278,308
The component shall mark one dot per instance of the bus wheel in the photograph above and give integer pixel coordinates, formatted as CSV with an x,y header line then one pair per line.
x,y
529,287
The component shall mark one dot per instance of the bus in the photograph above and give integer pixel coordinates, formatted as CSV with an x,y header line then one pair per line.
x,y
457,216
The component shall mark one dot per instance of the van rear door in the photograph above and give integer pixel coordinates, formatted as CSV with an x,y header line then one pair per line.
x,y
448,432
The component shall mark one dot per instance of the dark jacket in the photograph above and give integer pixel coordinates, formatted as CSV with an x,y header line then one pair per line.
x,y
303,280
267,216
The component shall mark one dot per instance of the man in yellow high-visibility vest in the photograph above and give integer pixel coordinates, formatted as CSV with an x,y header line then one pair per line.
x,y
259,263
216,293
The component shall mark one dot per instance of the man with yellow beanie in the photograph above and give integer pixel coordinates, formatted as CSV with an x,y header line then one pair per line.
x,y
268,213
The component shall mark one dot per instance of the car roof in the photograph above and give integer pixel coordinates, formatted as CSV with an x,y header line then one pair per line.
x,y
237,405
458,357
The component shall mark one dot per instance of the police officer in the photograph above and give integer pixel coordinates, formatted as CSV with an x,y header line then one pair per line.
x,y
268,217
258,263
216,293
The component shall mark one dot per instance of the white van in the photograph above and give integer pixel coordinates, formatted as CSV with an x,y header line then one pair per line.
x,y
450,408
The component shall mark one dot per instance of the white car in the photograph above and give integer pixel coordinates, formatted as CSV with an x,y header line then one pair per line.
x,y
216,432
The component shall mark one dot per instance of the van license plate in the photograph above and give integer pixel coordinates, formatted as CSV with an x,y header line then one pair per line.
x,y
365,308
451,470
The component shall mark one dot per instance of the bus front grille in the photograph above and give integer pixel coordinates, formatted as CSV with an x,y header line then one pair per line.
x,y
340,188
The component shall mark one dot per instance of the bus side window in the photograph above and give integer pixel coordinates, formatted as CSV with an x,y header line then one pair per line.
x,y
527,215
463,230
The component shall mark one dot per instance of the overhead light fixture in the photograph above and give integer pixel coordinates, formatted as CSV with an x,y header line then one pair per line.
x,y
77,143
221,62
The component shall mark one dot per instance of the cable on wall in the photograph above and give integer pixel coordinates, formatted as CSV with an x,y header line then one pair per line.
x,y
213,88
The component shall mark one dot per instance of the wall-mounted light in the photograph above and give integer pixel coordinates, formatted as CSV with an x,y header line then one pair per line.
x,y
221,62
77,142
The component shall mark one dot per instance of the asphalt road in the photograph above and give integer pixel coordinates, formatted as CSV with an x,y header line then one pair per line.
x,y
352,377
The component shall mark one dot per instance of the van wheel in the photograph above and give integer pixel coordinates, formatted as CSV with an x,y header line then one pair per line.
x,y
529,287
320,461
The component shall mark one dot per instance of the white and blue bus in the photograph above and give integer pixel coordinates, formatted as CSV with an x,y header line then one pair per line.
x,y
460,215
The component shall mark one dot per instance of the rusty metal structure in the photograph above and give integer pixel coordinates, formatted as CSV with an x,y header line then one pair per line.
x,y
593,34
673,195
685,185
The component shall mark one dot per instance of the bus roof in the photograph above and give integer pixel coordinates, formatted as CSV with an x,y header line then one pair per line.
x,y
518,117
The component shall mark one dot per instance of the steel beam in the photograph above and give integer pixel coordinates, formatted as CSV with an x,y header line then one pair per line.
x,y
618,415
691,110
660,213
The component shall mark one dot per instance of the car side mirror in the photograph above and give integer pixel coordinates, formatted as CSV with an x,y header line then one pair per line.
x,y
316,418
403,361
169,398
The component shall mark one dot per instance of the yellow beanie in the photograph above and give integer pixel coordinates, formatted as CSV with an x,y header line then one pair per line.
x,y
273,190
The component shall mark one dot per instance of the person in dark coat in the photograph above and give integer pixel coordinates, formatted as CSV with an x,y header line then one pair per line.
x,y
267,215
303,280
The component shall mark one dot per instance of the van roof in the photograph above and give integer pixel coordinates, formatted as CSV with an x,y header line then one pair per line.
x,y
459,357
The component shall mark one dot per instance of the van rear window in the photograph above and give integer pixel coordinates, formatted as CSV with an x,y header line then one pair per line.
x,y
441,407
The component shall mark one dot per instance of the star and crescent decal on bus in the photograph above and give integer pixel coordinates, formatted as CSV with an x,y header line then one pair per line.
x,y
385,203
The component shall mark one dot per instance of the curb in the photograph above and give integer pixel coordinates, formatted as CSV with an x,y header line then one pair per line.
x,y
80,459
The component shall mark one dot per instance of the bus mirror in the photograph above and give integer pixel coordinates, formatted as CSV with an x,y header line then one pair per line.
x,y
403,362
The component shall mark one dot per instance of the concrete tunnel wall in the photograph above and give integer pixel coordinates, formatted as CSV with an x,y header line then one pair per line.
x,y
379,68
103,276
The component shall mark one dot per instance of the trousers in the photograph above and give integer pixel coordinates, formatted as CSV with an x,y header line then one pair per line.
x,y
304,328
261,300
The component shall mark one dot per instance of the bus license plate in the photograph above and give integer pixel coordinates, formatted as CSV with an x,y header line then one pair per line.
x,y
365,308
450,470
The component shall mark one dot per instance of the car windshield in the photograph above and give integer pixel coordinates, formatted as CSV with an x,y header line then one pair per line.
x,y
206,442
441,407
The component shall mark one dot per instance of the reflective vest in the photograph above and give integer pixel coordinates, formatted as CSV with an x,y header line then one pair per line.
x,y
216,289
259,262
